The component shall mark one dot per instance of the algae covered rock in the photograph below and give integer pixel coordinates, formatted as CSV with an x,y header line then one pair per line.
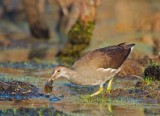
x,y
152,72
16,90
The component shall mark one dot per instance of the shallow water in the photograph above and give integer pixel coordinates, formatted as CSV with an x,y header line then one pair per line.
x,y
65,97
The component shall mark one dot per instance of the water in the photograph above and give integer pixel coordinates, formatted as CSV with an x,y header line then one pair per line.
x,y
65,98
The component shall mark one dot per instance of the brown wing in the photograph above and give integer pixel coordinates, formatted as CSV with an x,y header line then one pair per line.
x,y
108,57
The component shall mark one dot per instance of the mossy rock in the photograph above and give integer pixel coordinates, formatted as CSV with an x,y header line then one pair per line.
x,y
152,72
79,39
16,90
81,32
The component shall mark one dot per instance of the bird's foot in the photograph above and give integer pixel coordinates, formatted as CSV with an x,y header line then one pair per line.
x,y
98,92
109,86
108,92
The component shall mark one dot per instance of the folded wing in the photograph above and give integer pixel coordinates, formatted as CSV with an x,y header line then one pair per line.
x,y
108,57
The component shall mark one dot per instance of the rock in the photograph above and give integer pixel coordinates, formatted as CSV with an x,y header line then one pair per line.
x,y
17,90
152,72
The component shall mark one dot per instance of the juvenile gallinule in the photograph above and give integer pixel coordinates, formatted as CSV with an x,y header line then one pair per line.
x,y
95,67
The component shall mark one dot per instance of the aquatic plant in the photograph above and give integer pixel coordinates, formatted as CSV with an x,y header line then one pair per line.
x,y
148,79
97,99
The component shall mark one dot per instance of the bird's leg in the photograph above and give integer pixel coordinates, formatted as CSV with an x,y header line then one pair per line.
x,y
98,92
109,86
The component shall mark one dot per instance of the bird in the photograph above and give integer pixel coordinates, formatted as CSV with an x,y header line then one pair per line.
x,y
95,67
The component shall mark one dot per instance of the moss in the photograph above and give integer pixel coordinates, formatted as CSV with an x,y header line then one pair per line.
x,y
148,79
17,90
96,99
81,32
152,73
148,92
143,92
79,38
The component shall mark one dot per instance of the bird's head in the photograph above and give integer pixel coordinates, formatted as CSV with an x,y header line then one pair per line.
x,y
58,71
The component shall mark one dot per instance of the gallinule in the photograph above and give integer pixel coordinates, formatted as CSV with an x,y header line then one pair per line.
x,y
95,67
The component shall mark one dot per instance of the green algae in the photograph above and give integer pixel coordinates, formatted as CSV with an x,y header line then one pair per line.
x,y
152,71
96,99
16,90
79,38
143,93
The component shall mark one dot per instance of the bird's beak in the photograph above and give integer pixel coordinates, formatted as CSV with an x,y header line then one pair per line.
x,y
52,78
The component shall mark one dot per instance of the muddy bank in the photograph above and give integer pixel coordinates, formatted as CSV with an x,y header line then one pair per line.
x,y
143,92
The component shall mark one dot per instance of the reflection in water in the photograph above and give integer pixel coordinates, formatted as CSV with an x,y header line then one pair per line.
x,y
98,109
63,107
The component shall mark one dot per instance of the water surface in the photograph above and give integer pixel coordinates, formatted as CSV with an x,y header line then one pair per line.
x,y
65,98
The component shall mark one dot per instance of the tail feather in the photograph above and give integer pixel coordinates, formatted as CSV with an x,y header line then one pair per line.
x,y
130,45
126,46
121,44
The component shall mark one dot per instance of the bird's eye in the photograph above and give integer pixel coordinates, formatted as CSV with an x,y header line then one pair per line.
x,y
58,70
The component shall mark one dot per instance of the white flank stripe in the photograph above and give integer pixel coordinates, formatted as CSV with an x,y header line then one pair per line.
x,y
132,49
107,69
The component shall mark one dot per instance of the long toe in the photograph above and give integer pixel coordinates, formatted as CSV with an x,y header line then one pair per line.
x,y
109,86
98,92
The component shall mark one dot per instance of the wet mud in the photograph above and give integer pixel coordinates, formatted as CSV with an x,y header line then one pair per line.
x,y
143,92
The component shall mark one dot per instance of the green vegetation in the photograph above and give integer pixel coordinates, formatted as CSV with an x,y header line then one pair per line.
x,y
97,99
152,72
148,79
79,38
103,99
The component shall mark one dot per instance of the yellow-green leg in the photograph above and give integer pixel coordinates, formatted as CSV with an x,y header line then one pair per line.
x,y
98,92
109,86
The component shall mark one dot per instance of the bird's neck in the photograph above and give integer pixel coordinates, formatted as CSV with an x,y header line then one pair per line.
x,y
69,73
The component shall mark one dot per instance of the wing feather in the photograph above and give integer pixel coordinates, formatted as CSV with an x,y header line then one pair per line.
x,y
108,57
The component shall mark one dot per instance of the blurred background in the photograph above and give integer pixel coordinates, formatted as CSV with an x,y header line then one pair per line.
x,y
65,29
36,35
